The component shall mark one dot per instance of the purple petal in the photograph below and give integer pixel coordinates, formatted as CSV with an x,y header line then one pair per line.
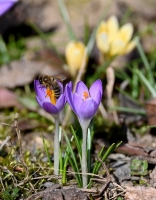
x,y
39,102
70,85
97,97
40,91
97,85
50,108
96,107
77,101
81,88
69,96
61,87
60,102
6,5
88,109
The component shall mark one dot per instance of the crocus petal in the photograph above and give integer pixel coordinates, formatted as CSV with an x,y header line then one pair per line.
x,y
74,55
87,109
97,85
102,28
36,85
60,102
125,32
112,28
102,42
131,45
39,102
69,96
117,48
61,87
6,5
97,97
70,85
40,91
77,101
81,88
50,108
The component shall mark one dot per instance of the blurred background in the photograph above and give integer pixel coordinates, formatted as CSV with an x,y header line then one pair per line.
x,y
33,40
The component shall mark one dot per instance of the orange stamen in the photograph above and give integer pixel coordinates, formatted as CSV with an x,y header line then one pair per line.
x,y
50,93
86,95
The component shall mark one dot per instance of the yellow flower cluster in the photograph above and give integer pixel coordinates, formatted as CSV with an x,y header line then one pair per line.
x,y
112,40
74,54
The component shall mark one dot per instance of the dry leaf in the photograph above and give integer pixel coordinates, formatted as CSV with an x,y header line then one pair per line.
x,y
19,73
8,99
140,193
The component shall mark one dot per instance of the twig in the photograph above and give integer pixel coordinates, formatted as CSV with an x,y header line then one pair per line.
x,y
110,75
4,168
5,124
20,143
2,183
107,181
89,190
117,195
118,186
5,142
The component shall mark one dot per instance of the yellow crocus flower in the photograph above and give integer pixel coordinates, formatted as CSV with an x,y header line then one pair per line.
x,y
112,40
74,54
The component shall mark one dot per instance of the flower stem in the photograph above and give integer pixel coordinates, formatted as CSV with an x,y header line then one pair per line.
x,y
56,147
84,157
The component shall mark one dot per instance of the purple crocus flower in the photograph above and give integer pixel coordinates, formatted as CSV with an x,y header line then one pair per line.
x,y
84,102
6,5
46,99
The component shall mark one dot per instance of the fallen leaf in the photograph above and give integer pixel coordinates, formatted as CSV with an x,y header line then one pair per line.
x,y
140,193
19,73
8,99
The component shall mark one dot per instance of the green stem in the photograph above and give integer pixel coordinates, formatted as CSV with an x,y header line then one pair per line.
x,y
84,157
56,147
89,143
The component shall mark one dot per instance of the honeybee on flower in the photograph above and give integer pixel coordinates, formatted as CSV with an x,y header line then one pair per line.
x,y
113,40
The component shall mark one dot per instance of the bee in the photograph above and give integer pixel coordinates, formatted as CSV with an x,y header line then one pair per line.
x,y
51,82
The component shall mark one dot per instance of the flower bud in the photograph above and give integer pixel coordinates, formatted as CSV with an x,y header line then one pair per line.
x,y
75,51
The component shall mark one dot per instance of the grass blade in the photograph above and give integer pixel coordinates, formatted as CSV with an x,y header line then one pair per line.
x,y
146,63
107,153
146,83
73,160
66,19
78,145
129,110
77,175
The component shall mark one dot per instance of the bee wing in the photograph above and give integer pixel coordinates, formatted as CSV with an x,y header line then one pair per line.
x,y
59,77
